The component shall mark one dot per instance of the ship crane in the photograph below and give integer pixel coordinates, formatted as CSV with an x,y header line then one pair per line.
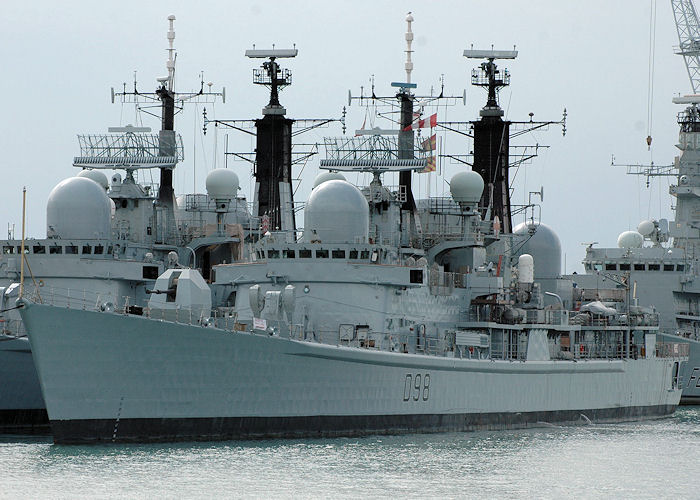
x,y
688,29
688,39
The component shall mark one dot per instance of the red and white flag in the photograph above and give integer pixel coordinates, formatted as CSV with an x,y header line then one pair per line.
x,y
429,122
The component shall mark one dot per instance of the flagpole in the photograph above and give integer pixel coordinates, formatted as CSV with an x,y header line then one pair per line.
x,y
24,211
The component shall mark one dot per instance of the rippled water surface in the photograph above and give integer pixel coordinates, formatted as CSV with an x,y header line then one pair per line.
x,y
657,459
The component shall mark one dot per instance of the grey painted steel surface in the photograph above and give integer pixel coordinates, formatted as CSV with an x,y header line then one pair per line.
x,y
129,368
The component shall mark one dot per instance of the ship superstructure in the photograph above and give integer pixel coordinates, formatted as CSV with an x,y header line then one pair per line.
x,y
356,325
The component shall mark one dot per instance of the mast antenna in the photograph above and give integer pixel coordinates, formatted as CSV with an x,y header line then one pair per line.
x,y
170,64
409,41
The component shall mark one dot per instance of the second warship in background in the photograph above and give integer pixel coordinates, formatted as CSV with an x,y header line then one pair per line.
x,y
380,317
660,261
111,239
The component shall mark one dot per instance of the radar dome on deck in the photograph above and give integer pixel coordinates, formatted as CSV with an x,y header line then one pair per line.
x,y
222,183
645,228
542,243
78,208
337,212
328,176
97,176
630,239
466,187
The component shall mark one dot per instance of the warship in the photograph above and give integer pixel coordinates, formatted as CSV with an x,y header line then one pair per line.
x,y
661,258
111,239
381,315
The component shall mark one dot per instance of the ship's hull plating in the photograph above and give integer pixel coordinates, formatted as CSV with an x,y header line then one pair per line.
x,y
22,407
690,373
121,378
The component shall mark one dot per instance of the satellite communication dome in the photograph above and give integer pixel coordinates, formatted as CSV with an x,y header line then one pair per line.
x,y
222,183
630,239
645,228
97,176
338,212
540,241
328,176
78,208
466,187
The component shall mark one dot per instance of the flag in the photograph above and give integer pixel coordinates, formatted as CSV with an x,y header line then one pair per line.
x,y
429,144
430,166
430,122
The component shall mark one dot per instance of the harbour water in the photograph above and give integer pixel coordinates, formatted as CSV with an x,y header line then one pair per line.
x,y
654,459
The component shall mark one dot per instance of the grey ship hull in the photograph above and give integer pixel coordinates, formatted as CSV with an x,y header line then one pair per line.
x,y
691,370
22,407
110,377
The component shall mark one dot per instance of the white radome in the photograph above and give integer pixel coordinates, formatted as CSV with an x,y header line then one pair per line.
x,y
328,176
222,183
78,208
645,228
337,212
97,176
630,239
466,187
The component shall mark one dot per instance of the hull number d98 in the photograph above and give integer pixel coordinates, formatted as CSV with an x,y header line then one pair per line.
x,y
416,387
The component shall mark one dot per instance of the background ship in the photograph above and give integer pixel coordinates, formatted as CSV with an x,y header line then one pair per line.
x,y
111,239
665,272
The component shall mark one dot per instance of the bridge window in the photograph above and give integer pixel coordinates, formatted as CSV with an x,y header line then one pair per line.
x,y
654,267
364,255
8,249
338,254
624,267
610,267
289,254
87,249
99,249
150,272
354,254
416,276
668,267
680,267
273,254
639,267
55,250
39,249
304,253
321,254
72,250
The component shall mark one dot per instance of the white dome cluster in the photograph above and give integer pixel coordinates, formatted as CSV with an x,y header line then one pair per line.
x,y
328,176
466,187
97,176
542,243
222,183
78,208
630,239
337,212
